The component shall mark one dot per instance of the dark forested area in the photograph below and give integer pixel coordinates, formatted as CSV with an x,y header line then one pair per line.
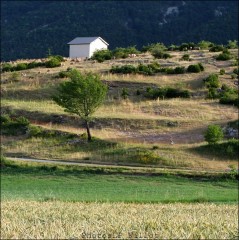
x,y
30,28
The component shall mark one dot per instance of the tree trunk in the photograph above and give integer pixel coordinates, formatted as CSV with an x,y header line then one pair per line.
x,y
88,130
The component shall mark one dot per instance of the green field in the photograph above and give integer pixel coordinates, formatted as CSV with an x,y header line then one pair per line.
x,y
46,183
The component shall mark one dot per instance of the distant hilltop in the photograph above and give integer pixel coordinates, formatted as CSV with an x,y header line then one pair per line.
x,y
31,28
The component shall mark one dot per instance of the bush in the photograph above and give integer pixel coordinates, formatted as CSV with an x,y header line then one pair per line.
x,y
212,81
123,69
222,71
63,74
14,126
179,70
212,93
236,71
224,57
7,67
185,57
205,44
34,65
124,93
21,66
216,48
194,68
230,98
53,62
34,131
102,55
213,134
166,93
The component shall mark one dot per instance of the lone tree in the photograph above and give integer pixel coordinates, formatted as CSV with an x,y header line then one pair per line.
x,y
82,95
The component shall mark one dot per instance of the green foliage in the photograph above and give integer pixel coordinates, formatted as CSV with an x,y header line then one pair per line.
x,y
212,81
222,71
102,55
205,44
224,56
34,131
236,71
82,95
230,97
185,57
64,74
216,48
53,62
124,93
151,47
167,92
6,67
10,126
123,69
232,44
212,93
35,64
195,68
213,134
159,54
21,66
187,46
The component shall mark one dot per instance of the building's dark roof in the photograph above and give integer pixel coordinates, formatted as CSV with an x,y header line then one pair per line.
x,y
85,40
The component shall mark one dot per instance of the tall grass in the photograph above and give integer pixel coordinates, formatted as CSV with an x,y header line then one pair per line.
x,y
59,220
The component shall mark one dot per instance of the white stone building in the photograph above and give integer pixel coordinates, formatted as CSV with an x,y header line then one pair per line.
x,y
84,47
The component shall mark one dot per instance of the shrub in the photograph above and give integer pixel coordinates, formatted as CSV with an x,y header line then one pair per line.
x,y
212,93
14,126
7,67
124,93
63,74
53,62
34,131
102,55
222,71
229,97
185,57
34,64
232,44
205,44
216,48
166,93
159,53
212,81
123,69
233,76
213,134
151,47
236,71
59,58
21,66
224,57
179,70
194,68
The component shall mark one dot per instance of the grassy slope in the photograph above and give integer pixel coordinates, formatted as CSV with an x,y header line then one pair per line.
x,y
42,183
131,122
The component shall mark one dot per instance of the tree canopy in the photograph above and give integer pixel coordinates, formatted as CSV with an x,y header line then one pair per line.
x,y
81,95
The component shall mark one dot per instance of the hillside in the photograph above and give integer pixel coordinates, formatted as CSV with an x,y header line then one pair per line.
x,y
138,130
30,28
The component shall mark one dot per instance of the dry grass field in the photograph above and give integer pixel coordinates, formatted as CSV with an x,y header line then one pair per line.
x,y
146,134
65,220
130,123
